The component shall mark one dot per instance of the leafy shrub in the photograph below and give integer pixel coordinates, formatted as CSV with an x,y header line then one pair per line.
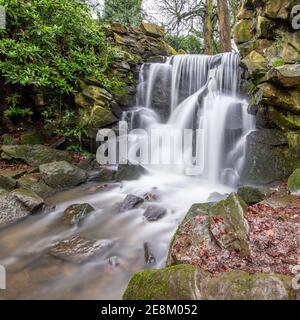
x,y
190,44
51,43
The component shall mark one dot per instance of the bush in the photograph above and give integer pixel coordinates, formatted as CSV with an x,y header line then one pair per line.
x,y
50,43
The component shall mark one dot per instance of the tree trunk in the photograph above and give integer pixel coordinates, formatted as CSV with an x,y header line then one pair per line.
x,y
224,23
208,30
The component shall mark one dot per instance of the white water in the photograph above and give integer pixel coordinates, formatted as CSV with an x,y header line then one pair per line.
x,y
203,95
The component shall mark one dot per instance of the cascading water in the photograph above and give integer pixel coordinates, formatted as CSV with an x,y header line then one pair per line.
x,y
185,92
203,94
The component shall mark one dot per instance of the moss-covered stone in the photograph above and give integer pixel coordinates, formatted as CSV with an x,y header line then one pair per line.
x,y
186,282
256,64
252,195
7,182
33,155
265,28
153,30
294,182
243,31
61,174
101,117
30,200
128,172
35,183
228,224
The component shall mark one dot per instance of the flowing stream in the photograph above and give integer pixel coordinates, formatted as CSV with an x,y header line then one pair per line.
x,y
194,92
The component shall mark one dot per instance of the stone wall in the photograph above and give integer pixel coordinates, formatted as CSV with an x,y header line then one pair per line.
x,y
133,46
270,52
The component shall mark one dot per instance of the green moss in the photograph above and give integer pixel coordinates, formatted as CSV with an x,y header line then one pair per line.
x,y
278,63
164,284
294,182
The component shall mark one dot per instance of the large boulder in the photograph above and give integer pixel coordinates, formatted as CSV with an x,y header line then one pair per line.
x,y
279,9
228,224
11,209
185,282
256,64
101,117
266,160
33,155
62,174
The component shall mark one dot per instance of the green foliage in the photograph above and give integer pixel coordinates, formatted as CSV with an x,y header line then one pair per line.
x,y
62,123
17,112
190,44
50,43
124,11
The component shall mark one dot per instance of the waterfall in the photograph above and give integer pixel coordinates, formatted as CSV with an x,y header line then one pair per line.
x,y
199,93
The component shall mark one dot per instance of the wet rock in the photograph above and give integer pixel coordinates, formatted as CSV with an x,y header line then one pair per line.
x,y
154,213
115,261
33,155
11,209
149,256
61,174
7,183
294,182
130,202
79,249
76,213
102,175
30,200
228,224
252,195
127,172
36,184
196,284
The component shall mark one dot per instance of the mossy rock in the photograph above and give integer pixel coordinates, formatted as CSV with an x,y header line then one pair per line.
x,y
285,121
101,117
294,182
7,183
266,163
153,30
186,282
62,174
30,199
243,31
33,155
35,183
256,64
228,224
252,195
